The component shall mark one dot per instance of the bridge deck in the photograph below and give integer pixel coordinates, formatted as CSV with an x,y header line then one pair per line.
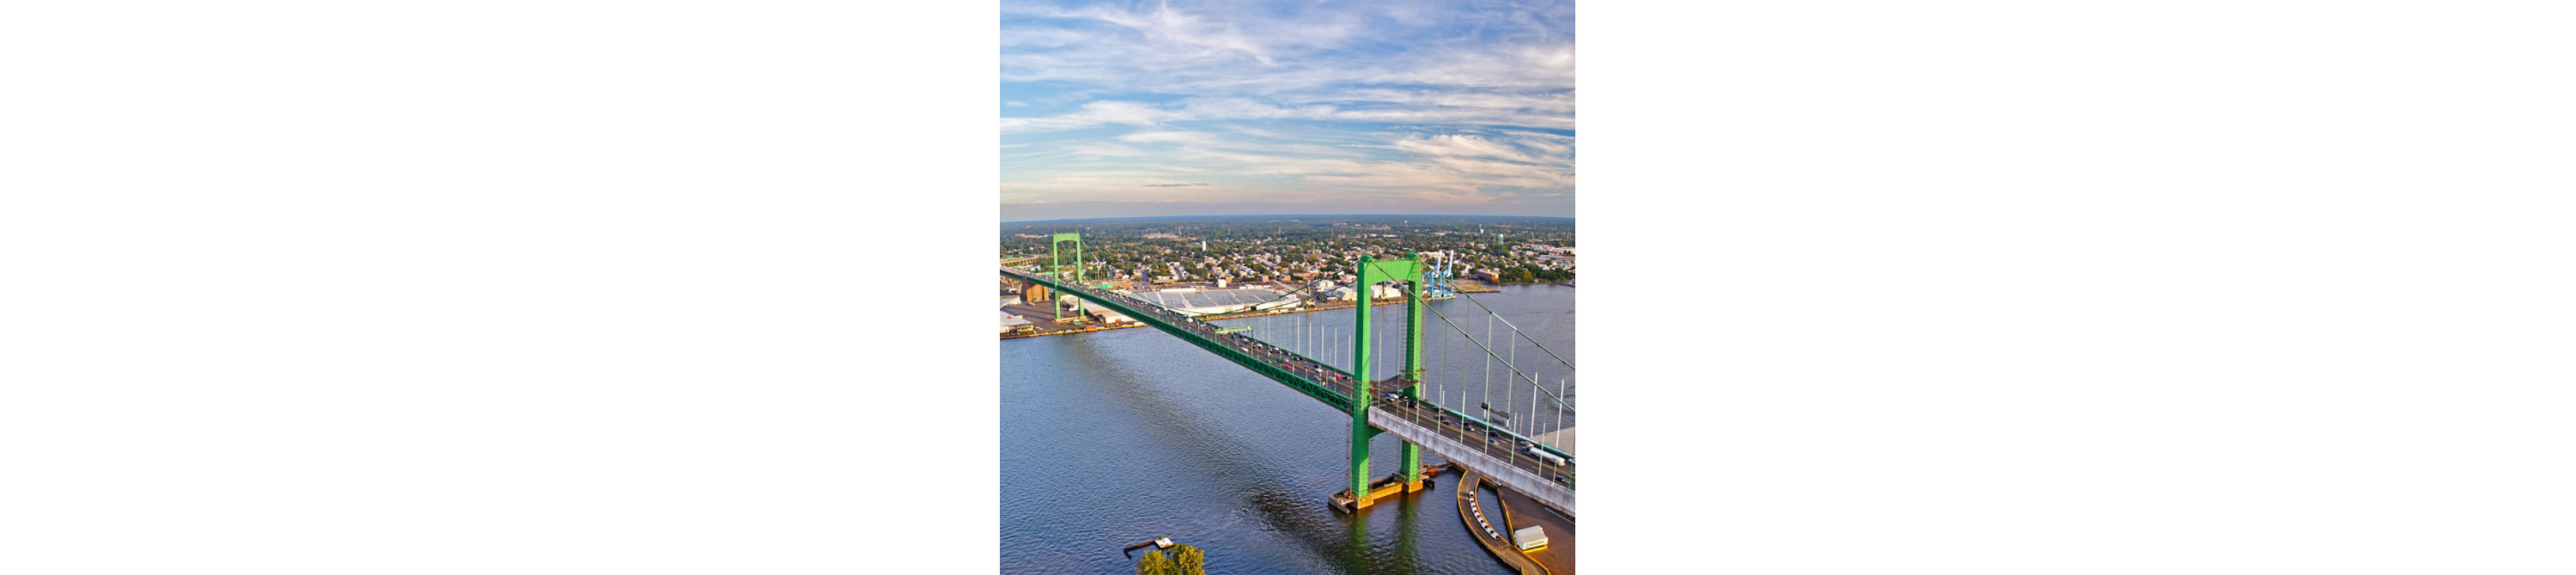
x,y
1503,457
1498,462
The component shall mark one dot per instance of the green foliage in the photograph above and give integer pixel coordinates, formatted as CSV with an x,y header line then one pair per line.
x,y
1155,563
1189,560
1303,243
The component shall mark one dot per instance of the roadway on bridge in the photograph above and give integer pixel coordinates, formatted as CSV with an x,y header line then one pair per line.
x,y
1493,442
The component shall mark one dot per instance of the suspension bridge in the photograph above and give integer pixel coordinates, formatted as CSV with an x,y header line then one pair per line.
x,y
1528,463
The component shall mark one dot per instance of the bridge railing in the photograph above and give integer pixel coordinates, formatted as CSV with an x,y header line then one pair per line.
x,y
1487,442
1551,493
1296,374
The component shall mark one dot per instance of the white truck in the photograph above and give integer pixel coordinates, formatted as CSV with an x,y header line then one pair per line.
x,y
1543,455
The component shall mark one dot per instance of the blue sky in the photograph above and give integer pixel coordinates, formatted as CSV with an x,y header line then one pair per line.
x,y
1113,109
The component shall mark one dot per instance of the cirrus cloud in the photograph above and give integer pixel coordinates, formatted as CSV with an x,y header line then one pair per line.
x,y
1459,106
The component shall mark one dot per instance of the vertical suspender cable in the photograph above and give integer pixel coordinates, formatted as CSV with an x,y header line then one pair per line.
x,y
1512,349
1485,394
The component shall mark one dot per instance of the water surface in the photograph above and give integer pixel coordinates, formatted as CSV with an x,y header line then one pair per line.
x,y
1113,438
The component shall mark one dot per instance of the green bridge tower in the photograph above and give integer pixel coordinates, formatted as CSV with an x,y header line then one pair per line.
x,y
1372,270
1055,266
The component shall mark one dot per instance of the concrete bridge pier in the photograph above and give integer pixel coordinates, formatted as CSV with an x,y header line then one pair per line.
x,y
1388,487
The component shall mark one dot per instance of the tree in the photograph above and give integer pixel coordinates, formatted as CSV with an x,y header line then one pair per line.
x,y
1155,563
1189,560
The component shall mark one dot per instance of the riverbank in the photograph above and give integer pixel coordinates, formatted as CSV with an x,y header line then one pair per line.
x,y
1040,325
1110,440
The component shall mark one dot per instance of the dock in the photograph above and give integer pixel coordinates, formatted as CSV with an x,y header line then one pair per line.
x,y
1493,527
1158,543
1488,529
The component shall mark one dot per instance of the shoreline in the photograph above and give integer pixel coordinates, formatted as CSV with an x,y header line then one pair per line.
x,y
1087,327
1092,328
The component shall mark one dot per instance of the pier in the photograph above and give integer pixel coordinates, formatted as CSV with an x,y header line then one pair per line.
x,y
1493,527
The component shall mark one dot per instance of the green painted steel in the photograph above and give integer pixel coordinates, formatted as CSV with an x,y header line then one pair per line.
x,y
1362,371
1412,458
1360,376
1055,268
1294,381
1373,270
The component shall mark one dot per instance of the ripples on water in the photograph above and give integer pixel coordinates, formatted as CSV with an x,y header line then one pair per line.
x,y
1113,438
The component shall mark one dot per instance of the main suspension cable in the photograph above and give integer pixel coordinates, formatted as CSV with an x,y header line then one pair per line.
x,y
1489,352
1516,329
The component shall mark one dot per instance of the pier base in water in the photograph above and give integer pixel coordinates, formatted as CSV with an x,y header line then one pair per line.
x,y
1386,487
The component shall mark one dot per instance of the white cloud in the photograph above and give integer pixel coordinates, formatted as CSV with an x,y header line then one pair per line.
x,y
1093,114
1168,137
1462,146
1284,100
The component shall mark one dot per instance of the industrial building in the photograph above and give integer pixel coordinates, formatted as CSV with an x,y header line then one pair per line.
x,y
1379,292
1012,323
1214,300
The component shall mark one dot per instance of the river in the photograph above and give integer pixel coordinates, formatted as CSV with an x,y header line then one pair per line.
x,y
1114,438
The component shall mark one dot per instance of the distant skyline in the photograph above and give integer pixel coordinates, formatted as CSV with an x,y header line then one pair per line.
x,y
1191,217
1124,109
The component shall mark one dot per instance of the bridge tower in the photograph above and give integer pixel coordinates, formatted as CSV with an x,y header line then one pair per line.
x,y
1372,270
1055,266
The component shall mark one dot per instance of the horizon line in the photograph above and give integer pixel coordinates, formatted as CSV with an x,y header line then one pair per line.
x,y
1229,216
